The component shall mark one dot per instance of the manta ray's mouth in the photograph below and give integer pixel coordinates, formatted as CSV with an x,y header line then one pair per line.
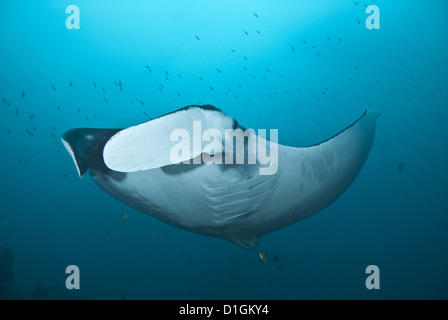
x,y
85,146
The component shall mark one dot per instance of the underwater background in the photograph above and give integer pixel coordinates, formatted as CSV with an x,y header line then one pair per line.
x,y
306,68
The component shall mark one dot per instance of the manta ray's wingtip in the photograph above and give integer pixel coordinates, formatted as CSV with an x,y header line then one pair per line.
x,y
373,113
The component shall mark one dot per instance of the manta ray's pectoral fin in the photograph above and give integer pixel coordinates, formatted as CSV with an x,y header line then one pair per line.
x,y
149,145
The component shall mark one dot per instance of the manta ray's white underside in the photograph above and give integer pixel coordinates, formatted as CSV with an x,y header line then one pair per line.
x,y
230,201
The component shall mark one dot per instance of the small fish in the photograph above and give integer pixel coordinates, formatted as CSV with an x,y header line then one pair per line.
x,y
179,75
255,14
23,94
232,50
401,166
54,128
166,72
124,217
94,85
359,22
149,69
312,46
167,78
257,31
87,118
59,109
64,176
105,100
268,70
104,90
30,133
142,102
178,94
211,88
356,3
264,257
78,109
71,85
328,38
245,32
53,136
197,37
276,258
304,41
200,78
392,91
218,70
245,58
54,89
17,111
122,296
356,67
340,40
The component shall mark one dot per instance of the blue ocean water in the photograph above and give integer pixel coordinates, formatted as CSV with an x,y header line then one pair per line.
x,y
306,68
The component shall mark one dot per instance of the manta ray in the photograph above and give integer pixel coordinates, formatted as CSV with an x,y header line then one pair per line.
x,y
232,201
